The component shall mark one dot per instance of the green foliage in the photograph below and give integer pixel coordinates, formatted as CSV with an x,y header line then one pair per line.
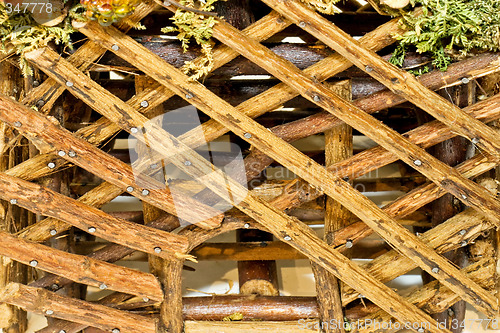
x,y
197,27
21,33
447,29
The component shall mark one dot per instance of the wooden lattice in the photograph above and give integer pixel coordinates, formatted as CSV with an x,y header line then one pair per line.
x,y
60,148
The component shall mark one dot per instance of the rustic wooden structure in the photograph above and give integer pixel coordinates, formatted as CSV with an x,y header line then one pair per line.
x,y
338,86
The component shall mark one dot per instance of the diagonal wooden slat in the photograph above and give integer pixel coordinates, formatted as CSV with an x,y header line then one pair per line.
x,y
427,296
443,238
49,91
425,257
103,129
81,269
47,303
96,161
399,81
465,190
43,201
294,160
284,227
480,65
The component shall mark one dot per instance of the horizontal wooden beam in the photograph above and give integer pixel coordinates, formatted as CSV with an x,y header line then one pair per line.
x,y
81,269
84,57
43,201
47,303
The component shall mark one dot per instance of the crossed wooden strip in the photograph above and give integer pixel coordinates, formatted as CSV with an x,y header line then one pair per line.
x,y
103,129
47,202
258,136
465,190
286,228
399,81
179,163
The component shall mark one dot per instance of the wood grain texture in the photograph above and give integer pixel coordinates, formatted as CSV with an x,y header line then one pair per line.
x,y
81,269
103,129
338,147
40,301
433,297
46,202
399,81
84,58
291,158
104,165
240,125
323,121
465,190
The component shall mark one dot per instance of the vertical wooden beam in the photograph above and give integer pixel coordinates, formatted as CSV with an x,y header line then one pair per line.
x,y
257,276
12,319
338,147
168,271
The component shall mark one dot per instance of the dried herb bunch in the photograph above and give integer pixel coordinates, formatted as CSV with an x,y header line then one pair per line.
x,y
448,29
191,25
21,33
194,26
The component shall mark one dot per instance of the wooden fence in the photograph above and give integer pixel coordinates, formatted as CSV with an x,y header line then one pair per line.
x,y
350,217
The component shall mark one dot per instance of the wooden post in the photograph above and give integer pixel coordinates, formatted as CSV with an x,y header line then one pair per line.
x,y
338,147
168,271
13,319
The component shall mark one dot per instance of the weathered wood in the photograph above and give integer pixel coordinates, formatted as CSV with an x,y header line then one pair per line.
x,y
268,308
103,129
452,152
338,147
263,250
321,95
50,226
94,160
109,253
399,81
323,121
445,237
43,201
170,276
256,208
13,319
50,304
168,271
464,189
80,269
433,297
49,91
